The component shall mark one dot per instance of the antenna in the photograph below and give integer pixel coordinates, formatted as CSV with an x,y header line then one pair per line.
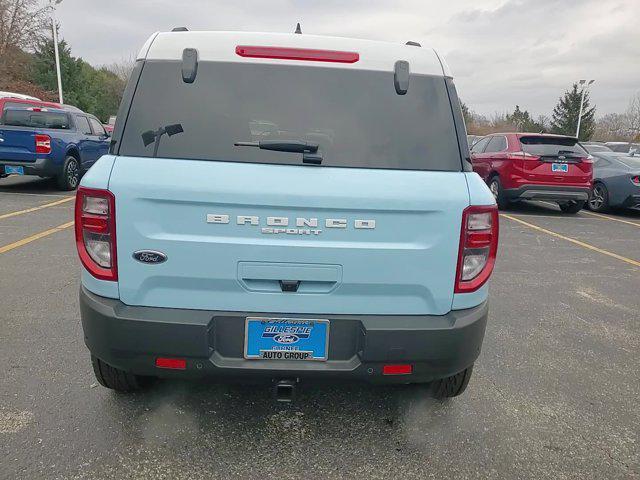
x,y
298,29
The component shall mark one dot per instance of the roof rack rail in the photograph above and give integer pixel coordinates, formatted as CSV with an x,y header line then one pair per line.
x,y
413,44
179,29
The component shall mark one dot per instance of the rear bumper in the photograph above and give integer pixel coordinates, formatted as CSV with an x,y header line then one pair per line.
x,y
632,201
43,167
548,192
130,338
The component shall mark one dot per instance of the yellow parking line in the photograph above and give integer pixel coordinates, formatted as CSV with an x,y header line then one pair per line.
x,y
34,209
612,218
574,241
35,237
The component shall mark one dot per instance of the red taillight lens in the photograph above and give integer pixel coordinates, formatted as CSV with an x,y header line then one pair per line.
x,y
43,143
478,247
285,53
96,232
636,180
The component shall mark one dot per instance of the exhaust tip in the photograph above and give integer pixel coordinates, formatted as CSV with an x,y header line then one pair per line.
x,y
285,390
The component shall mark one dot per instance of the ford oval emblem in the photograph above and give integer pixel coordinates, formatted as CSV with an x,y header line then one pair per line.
x,y
149,256
286,338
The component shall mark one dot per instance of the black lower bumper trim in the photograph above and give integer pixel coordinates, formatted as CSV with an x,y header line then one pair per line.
x,y
43,167
130,338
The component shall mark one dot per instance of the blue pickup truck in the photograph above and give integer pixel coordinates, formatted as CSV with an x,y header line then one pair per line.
x,y
50,142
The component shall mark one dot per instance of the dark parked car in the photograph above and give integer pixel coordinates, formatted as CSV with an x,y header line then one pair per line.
x,y
616,181
623,147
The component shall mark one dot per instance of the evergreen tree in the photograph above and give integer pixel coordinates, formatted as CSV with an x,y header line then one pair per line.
x,y
565,115
523,122
95,91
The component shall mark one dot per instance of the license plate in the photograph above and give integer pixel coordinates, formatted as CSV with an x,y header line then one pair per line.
x,y
559,167
13,170
286,339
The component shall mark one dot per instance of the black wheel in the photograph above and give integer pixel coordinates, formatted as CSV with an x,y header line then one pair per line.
x,y
70,175
498,193
117,379
571,207
599,198
452,386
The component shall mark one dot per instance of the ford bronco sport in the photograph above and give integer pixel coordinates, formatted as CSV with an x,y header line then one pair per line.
x,y
286,207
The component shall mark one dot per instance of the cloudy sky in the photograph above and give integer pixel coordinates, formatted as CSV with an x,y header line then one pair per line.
x,y
502,52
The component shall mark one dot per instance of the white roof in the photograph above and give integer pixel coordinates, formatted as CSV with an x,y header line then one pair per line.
x,y
220,47
17,95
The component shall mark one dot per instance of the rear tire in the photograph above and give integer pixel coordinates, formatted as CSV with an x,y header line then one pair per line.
x,y
599,198
498,193
452,386
571,207
69,178
116,379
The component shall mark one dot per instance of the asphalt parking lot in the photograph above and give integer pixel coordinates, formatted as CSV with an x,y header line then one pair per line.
x,y
554,392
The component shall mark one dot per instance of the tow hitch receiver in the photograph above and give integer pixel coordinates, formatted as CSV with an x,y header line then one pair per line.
x,y
284,390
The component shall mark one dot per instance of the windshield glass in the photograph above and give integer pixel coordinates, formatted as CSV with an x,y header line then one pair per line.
x,y
597,148
33,119
355,117
551,146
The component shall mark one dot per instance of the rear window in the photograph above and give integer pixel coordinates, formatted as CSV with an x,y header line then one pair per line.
x,y
32,119
356,117
551,146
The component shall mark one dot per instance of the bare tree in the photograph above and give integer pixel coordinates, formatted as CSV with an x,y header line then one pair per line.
x,y
123,68
21,24
633,118
611,127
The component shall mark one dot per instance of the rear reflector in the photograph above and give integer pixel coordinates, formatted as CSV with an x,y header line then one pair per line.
x,y
171,363
636,180
305,54
397,369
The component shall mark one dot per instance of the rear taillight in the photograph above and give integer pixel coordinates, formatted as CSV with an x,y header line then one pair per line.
x,y
478,247
96,232
636,180
305,54
43,143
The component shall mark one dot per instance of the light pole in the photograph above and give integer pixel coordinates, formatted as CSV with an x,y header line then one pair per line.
x,y
584,88
52,6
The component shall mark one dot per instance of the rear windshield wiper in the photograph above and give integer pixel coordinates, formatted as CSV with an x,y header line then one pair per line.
x,y
153,136
308,150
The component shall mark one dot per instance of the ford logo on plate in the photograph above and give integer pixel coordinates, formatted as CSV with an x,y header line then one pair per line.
x,y
286,338
149,256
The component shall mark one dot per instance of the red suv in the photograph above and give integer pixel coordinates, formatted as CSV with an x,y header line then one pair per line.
x,y
6,102
531,166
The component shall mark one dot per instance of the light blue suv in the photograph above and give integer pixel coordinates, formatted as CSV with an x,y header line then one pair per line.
x,y
286,207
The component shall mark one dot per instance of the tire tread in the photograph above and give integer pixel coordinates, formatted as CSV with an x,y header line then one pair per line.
x,y
452,386
114,378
